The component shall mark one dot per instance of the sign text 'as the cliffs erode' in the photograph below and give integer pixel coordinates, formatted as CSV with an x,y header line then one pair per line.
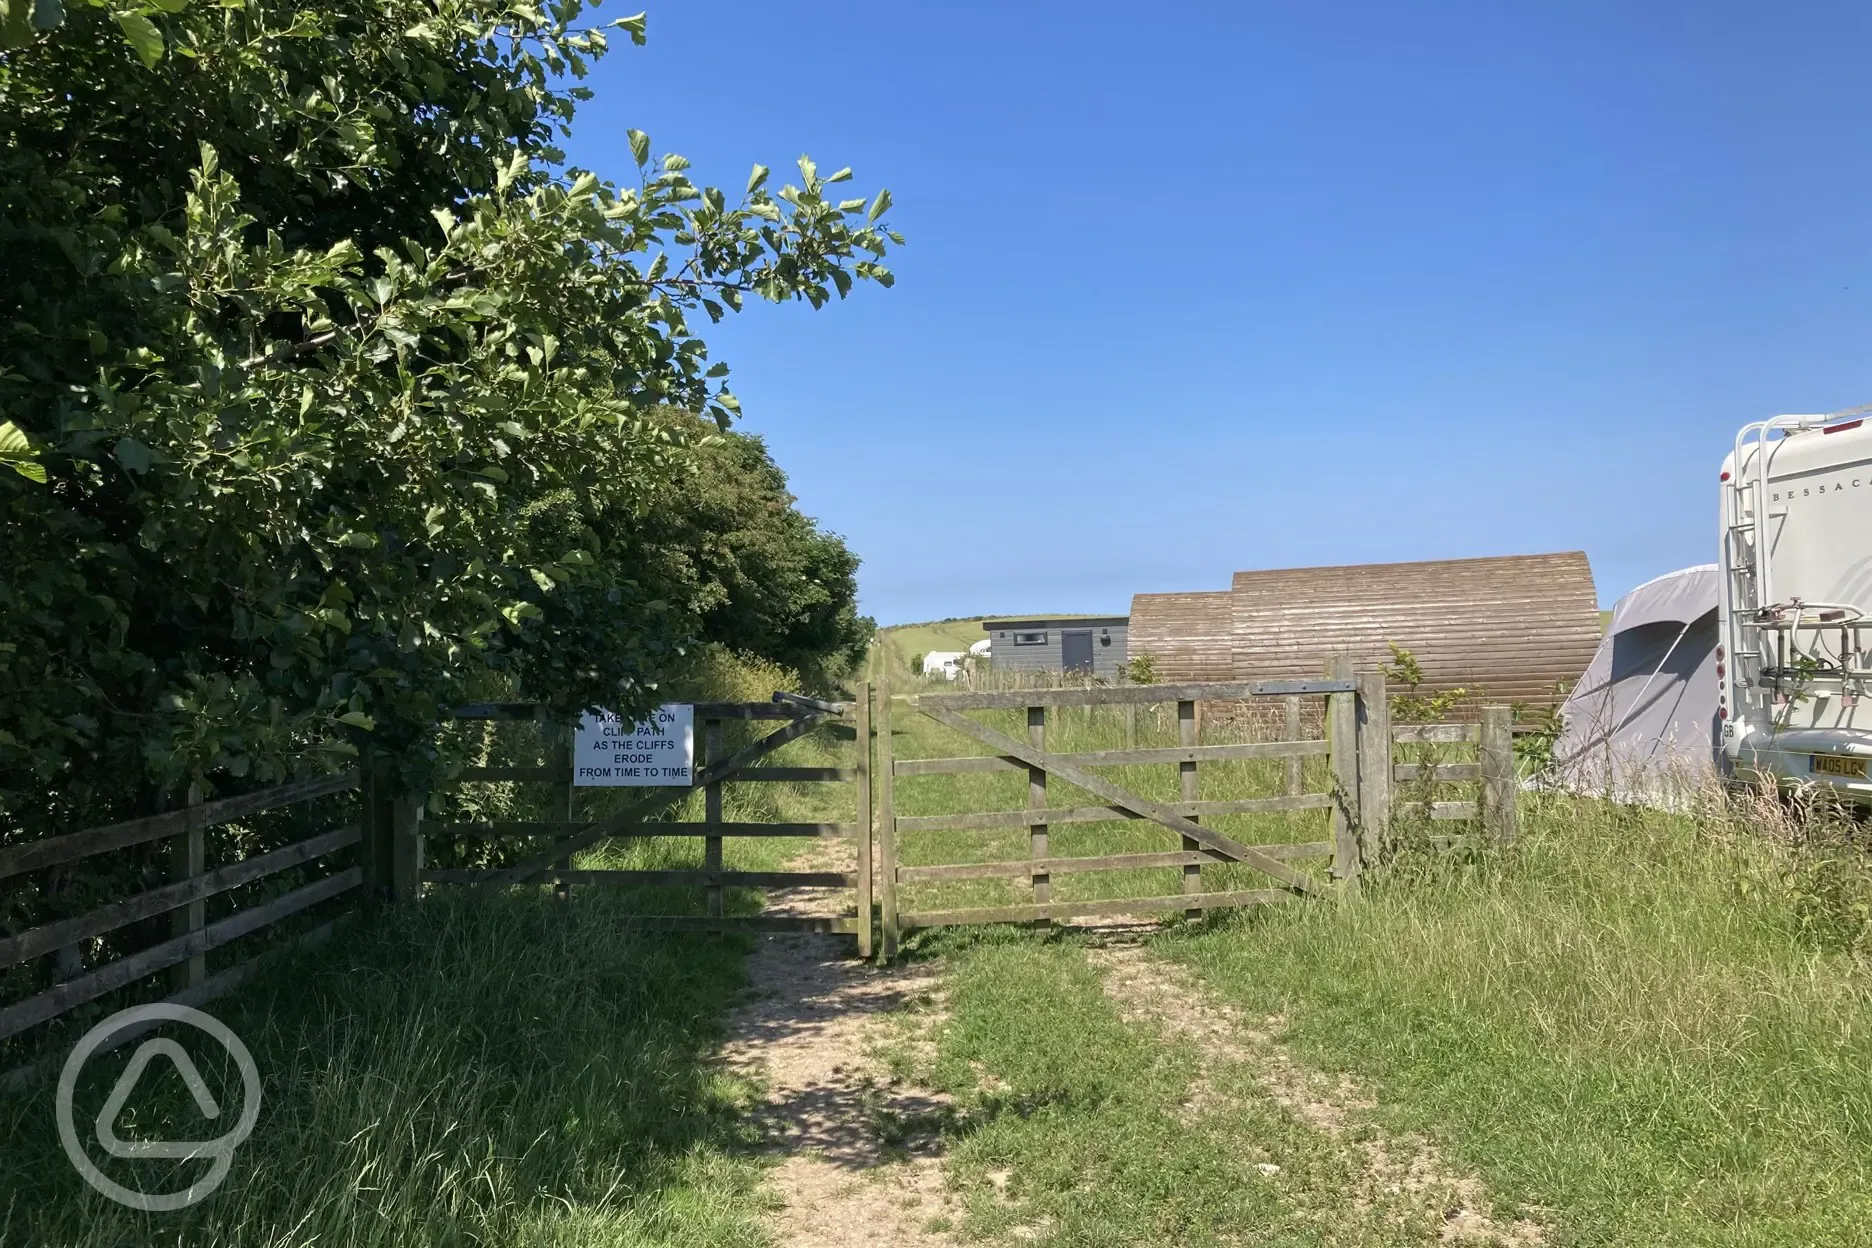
x,y
658,751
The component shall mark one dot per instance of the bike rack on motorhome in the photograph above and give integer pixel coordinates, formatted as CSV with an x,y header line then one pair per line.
x,y
1795,661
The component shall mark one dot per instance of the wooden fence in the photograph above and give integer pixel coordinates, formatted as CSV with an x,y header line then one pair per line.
x,y
1420,784
1358,798
716,768
345,859
1375,772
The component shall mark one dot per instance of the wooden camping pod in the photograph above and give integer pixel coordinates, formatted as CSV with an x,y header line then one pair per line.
x,y
1507,628
1189,637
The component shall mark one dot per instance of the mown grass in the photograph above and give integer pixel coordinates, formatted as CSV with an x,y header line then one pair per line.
x,y
1076,1128
1618,1021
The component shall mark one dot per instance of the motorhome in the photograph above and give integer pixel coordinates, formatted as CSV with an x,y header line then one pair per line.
x,y
1794,662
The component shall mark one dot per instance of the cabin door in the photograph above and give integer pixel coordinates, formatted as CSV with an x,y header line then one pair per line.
x,y
1076,650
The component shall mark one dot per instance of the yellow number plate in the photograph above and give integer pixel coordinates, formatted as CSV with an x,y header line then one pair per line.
x,y
1839,765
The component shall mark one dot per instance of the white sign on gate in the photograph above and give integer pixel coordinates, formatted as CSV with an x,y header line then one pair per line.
x,y
658,751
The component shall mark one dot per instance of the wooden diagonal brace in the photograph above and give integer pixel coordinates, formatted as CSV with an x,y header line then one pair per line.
x,y
620,824
1156,812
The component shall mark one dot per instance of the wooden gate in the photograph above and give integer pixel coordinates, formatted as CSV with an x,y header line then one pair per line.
x,y
1337,798
717,766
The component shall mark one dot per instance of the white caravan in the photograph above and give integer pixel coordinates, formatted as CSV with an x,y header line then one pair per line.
x,y
1794,663
944,663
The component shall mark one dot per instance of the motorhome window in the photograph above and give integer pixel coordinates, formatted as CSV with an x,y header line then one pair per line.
x,y
1030,639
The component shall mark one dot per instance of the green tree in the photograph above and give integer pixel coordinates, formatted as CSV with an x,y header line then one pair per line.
x,y
345,389
766,579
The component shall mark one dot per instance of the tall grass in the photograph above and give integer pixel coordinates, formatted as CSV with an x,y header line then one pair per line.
x,y
1654,1027
1623,1020
478,1070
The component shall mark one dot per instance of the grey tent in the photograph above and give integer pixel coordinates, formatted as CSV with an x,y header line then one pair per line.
x,y
1641,724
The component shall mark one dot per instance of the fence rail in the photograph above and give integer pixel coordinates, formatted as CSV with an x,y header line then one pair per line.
x,y
717,766
184,953
1490,778
1375,774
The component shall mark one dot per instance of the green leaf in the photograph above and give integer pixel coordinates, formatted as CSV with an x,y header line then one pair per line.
x,y
133,455
358,719
758,178
640,146
142,34
17,453
879,206
21,21
635,25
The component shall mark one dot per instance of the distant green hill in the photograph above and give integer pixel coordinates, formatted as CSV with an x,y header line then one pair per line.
x,y
961,633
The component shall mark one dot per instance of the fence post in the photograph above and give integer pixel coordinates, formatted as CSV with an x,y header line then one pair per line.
x,y
559,758
1290,731
1037,800
887,821
861,721
189,859
378,820
1374,731
406,846
712,814
1342,733
1189,734
1498,774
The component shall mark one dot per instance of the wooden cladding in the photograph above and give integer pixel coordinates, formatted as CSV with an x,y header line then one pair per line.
x,y
1508,629
1187,637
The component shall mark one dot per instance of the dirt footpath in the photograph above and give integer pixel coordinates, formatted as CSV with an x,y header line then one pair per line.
x,y
1405,1172
859,1151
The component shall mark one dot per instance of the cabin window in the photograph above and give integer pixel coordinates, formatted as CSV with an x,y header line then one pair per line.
x,y
1030,639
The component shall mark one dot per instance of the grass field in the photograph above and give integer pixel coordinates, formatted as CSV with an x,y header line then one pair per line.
x,y
957,634
478,1070
1634,1028
1624,1024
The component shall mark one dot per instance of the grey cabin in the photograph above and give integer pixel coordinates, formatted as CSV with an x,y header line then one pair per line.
x,y
1094,646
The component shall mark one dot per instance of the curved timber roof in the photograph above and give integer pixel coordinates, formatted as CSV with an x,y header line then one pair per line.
x,y
1188,636
1506,628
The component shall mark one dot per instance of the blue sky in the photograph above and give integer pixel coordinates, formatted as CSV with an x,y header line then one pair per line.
x,y
1199,287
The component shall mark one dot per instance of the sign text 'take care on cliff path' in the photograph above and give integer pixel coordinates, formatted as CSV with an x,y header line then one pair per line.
x,y
658,751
